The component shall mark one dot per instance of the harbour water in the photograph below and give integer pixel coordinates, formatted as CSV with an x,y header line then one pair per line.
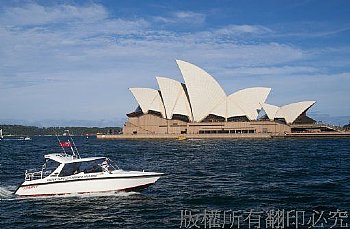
x,y
311,175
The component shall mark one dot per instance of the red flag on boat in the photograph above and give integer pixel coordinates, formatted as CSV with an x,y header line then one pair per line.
x,y
65,144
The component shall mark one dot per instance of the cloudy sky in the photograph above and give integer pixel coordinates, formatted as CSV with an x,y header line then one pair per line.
x,y
72,62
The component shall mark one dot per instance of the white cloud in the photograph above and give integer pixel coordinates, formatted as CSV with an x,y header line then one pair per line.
x,y
27,52
272,71
311,30
189,15
64,47
242,29
34,14
182,17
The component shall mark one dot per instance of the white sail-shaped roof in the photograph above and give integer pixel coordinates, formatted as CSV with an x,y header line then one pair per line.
x,y
148,99
228,108
247,102
270,110
292,111
203,96
220,109
204,91
233,109
174,98
182,106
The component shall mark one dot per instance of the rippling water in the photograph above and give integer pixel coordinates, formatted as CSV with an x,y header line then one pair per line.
x,y
204,174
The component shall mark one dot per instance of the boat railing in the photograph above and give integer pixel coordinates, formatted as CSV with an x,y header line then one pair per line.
x,y
33,175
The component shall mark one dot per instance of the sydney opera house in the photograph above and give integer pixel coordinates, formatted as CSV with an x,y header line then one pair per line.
x,y
200,106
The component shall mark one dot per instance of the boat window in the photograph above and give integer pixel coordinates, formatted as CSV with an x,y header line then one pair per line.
x,y
69,169
91,166
49,167
84,166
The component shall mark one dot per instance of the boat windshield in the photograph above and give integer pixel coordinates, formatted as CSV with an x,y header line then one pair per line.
x,y
49,167
94,166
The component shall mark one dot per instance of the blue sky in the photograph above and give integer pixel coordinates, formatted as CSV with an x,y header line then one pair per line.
x,y
72,62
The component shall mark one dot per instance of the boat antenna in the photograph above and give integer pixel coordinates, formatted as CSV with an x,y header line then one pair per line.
x,y
73,147
59,142
75,151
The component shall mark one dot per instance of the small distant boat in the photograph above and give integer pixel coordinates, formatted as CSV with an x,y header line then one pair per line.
x,y
13,138
181,138
65,173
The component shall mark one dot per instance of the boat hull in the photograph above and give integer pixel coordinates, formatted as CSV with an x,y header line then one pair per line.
x,y
81,186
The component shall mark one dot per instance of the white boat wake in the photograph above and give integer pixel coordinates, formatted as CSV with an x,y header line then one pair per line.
x,y
6,193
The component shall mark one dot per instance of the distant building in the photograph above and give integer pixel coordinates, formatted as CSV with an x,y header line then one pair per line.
x,y
200,106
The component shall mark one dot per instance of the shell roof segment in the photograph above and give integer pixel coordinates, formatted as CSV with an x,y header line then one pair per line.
x,y
292,111
149,99
174,98
204,91
249,101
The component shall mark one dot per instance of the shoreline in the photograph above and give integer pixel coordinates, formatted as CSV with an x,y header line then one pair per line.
x,y
221,136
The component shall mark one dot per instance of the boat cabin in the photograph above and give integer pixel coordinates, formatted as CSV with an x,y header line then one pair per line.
x,y
63,165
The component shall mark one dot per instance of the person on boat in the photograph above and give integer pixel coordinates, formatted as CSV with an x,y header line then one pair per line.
x,y
105,166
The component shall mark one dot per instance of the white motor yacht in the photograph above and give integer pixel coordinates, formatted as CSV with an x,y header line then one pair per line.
x,y
63,174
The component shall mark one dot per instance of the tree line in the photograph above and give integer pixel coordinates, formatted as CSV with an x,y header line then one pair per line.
x,y
19,130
